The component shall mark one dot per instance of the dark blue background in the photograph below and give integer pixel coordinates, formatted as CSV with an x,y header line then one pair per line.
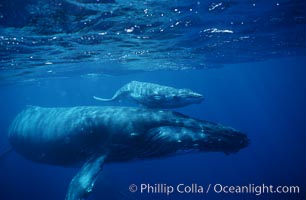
x,y
266,100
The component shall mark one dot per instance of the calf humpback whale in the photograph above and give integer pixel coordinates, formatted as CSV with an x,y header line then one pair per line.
x,y
155,96
93,136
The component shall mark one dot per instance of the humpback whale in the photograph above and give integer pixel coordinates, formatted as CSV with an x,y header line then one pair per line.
x,y
155,96
92,136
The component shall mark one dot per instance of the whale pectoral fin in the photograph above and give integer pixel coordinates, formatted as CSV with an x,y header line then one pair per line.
x,y
100,99
82,183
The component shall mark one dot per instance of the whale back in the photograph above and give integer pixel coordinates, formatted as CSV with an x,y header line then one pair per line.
x,y
61,136
157,96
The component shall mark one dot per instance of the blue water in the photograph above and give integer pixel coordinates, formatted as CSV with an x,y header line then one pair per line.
x,y
252,74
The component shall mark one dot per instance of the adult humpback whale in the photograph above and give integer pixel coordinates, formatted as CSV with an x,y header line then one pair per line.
x,y
155,96
95,135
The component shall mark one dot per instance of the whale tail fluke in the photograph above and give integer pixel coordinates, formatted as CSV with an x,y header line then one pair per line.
x,y
101,99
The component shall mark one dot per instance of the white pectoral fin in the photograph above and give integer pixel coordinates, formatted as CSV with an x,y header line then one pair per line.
x,y
101,99
82,183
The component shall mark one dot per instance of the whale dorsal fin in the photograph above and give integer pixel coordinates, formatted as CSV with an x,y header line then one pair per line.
x,y
82,183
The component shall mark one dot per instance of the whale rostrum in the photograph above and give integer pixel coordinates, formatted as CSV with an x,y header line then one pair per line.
x,y
93,136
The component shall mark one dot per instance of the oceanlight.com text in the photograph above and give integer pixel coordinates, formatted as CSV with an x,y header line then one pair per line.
x,y
256,189
195,188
